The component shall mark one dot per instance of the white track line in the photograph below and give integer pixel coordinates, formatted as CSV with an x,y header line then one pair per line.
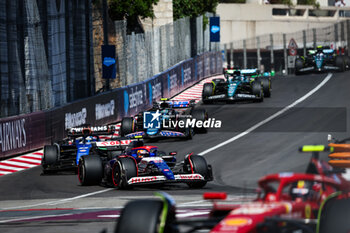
x,y
254,127
62,201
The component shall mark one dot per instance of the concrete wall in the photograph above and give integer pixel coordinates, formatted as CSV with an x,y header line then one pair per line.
x,y
242,21
163,13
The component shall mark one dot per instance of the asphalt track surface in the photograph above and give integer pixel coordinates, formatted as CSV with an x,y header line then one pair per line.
x,y
237,166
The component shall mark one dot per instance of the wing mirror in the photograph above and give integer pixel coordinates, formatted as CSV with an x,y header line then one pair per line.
x,y
173,153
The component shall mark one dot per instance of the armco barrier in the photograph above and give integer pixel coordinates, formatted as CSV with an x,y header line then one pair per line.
x,y
32,131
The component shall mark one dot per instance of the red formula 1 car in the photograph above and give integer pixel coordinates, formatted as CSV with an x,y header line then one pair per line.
x,y
315,201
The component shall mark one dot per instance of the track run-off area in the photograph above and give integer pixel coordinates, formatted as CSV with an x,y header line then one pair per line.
x,y
255,139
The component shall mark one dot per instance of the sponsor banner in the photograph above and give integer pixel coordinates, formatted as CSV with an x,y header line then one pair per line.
x,y
156,87
135,99
21,134
174,80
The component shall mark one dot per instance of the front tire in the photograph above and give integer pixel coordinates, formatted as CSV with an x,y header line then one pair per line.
x,y
208,89
90,170
201,115
123,169
197,164
299,64
257,90
266,84
335,216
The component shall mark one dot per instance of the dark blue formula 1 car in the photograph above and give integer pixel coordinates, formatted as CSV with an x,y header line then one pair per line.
x,y
65,154
164,113
144,165
238,85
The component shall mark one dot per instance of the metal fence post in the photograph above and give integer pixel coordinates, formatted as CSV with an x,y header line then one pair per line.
x,y
272,61
304,43
225,54
342,34
258,52
285,54
336,36
314,37
245,54
348,36
134,57
232,63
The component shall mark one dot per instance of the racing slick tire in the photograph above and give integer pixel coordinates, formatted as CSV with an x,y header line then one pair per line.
x,y
335,216
50,157
127,126
149,214
340,63
266,84
188,133
299,64
202,115
257,90
347,62
208,89
197,164
123,169
90,170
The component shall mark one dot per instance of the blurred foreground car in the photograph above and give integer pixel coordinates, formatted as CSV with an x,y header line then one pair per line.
x,y
314,202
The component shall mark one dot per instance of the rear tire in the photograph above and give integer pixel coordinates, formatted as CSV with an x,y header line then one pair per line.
x,y
90,170
208,89
123,169
202,115
127,126
266,83
340,63
347,62
200,166
148,214
50,157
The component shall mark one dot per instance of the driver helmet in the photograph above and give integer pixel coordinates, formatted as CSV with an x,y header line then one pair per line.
x,y
299,189
142,153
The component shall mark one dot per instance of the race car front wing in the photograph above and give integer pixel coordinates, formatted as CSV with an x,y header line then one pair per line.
x,y
162,179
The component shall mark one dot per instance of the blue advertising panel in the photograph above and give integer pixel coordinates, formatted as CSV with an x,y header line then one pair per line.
x,y
214,29
108,62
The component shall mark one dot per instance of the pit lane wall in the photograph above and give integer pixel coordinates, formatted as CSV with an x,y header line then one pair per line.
x,y
28,132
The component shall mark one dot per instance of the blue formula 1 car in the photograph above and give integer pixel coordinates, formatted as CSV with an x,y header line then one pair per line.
x,y
238,85
321,59
82,141
162,121
144,165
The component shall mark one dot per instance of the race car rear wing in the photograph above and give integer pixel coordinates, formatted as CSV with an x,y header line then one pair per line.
x,y
90,131
339,153
118,144
177,103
